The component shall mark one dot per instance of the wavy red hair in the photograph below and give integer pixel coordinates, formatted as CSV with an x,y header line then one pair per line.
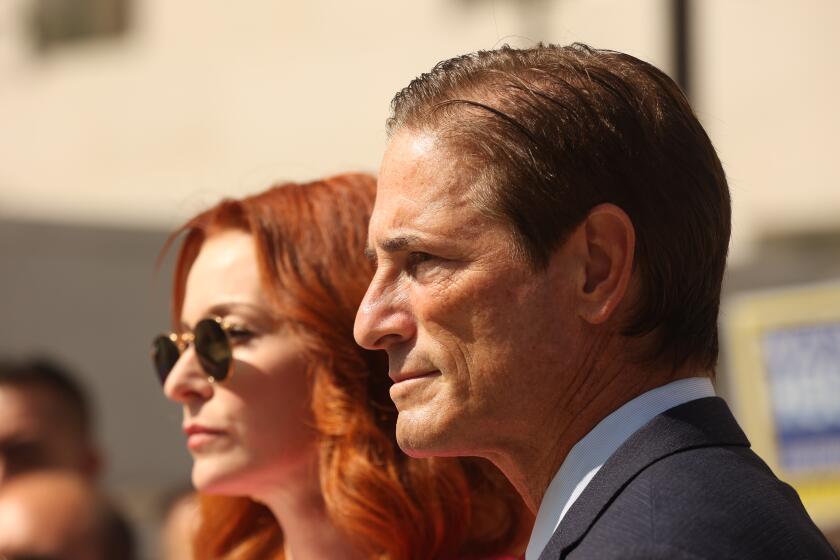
x,y
310,240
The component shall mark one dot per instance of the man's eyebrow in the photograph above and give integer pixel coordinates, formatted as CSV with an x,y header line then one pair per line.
x,y
391,245
399,243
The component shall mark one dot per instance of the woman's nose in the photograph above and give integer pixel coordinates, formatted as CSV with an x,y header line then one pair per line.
x,y
187,382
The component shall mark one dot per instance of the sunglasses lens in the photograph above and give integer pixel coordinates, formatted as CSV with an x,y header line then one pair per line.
x,y
164,355
213,349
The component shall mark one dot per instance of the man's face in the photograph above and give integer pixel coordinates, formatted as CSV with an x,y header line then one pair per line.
x,y
477,340
35,434
50,514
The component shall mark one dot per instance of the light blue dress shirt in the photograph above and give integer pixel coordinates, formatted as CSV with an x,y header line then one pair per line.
x,y
590,453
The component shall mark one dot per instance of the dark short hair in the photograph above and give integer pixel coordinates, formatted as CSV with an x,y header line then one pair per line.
x,y
59,381
553,131
118,536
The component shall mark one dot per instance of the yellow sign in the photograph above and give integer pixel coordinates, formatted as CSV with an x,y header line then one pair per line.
x,y
783,350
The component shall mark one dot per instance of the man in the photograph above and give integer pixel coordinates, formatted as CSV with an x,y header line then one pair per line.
x,y
46,426
550,230
44,421
58,514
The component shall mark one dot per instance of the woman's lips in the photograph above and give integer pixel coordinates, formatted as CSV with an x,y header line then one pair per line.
x,y
199,436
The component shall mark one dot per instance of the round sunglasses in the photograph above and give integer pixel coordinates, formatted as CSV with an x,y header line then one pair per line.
x,y
212,347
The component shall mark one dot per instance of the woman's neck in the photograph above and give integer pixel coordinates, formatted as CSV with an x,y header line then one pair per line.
x,y
299,508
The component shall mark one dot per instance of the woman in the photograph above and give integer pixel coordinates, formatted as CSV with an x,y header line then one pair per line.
x,y
289,422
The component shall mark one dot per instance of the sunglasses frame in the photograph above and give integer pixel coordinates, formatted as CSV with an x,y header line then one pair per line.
x,y
182,342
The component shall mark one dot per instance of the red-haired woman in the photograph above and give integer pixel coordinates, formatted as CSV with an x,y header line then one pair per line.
x,y
289,422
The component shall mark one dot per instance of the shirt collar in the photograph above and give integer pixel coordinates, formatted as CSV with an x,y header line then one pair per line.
x,y
590,453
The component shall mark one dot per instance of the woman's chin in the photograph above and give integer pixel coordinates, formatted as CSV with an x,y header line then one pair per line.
x,y
241,474
209,477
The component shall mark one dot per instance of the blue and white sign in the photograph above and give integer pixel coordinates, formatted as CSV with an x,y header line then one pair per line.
x,y
802,365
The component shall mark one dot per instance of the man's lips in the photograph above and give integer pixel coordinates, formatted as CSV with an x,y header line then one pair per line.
x,y
397,377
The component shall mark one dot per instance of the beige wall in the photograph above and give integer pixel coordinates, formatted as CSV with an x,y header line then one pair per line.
x,y
768,90
203,99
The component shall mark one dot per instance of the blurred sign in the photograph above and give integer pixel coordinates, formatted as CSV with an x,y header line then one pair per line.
x,y
803,369
784,371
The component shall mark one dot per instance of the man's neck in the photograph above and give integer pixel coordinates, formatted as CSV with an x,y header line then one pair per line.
x,y
531,463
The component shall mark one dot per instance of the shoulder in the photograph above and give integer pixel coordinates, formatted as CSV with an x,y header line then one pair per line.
x,y
728,478
650,551
713,501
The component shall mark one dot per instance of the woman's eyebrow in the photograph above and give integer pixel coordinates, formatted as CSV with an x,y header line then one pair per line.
x,y
260,314
224,309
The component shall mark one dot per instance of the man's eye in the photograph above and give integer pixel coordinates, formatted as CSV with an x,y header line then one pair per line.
x,y
417,259
23,456
371,256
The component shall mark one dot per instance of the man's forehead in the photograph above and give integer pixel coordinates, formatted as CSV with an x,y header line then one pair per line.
x,y
409,146
30,406
419,179
14,398
21,413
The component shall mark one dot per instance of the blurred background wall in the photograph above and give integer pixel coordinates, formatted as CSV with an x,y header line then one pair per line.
x,y
119,119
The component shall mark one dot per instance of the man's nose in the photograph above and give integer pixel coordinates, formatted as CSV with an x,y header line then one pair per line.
x,y
187,382
384,318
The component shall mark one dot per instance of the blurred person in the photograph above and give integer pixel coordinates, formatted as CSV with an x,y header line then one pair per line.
x,y
551,229
180,522
59,515
288,421
45,421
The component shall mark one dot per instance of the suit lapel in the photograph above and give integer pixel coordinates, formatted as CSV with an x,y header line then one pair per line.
x,y
699,423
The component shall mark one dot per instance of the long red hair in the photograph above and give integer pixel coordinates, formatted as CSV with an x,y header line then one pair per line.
x,y
310,240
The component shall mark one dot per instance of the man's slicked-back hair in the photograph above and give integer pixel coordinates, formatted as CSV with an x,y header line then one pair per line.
x,y
550,132
59,381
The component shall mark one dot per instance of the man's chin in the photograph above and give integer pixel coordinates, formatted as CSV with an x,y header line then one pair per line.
x,y
420,436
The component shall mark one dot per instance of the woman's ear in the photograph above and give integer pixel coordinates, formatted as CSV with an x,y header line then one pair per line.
x,y
607,240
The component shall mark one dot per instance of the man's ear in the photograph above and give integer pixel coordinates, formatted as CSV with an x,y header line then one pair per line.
x,y
92,462
606,242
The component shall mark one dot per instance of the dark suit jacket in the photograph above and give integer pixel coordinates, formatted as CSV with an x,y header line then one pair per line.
x,y
687,486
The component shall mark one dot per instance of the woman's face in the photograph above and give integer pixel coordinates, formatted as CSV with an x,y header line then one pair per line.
x,y
255,430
